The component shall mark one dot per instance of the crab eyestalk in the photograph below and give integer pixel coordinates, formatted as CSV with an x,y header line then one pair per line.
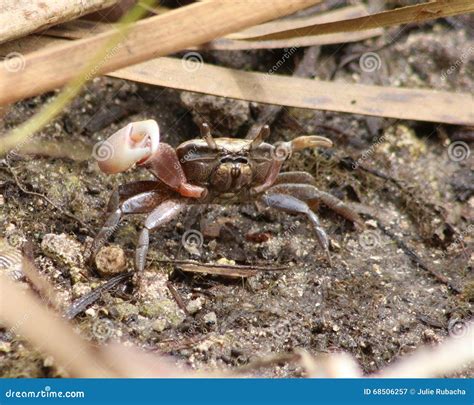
x,y
263,134
206,135
135,143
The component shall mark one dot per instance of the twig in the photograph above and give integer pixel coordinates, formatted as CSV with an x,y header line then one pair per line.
x,y
42,196
221,269
177,297
81,304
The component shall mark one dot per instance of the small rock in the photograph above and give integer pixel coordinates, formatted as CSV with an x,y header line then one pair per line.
x,y
2,200
371,223
110,261
195,305
212,245
123,310
63,249
48,362
159,325
5,347
335,245
91,312
80,289
210,318
226,262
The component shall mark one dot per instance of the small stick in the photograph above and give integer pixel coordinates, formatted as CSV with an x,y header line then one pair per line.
x,y
81,304
177,297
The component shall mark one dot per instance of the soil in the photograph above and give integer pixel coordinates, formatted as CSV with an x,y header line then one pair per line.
x,y
375,302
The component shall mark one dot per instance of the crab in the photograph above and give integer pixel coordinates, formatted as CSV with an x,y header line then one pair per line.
x,y
207,171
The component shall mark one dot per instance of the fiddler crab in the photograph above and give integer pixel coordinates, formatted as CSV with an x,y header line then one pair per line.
x,y
204,171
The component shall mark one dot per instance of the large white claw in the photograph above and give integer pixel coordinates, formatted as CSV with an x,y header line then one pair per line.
x,y
132,144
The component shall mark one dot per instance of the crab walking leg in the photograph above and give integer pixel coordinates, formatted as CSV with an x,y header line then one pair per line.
x,y
295,177
137,204
291,204
283,151
125,191
161,215
311,194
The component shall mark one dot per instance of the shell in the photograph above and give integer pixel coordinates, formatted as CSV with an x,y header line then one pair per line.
x,y
11,260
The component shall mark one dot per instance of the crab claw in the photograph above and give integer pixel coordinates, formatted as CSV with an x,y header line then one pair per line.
x,y
132,144
310,141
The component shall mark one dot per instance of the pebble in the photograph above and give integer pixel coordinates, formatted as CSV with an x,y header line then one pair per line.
x,y
110,261
210,318
195,305
91,312
371,223
63,249
159,325
5,347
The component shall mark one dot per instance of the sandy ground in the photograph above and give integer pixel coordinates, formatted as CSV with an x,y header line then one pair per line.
x,y
375,303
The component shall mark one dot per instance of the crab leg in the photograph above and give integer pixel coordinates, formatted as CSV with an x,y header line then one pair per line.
x,y
291,204
122,204
295,178
309,141
161,215
310,193
283,151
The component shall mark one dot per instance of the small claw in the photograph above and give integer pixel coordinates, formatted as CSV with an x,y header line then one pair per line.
x,y
132,144
310,141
